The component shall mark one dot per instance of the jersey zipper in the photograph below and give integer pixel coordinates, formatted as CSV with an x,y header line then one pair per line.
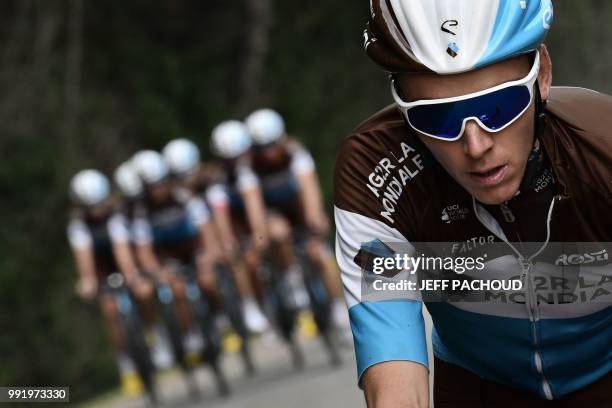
x,y
530,296
532,310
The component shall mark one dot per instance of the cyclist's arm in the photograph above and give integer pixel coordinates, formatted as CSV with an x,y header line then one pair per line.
x,y
396,384
251,194
143,240
81,245
219,205
388,328
303,167
120,236
199,215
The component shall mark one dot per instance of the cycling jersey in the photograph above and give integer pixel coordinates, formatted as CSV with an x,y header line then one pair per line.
x,y
389,189
171,226
229,180
99,235
208,189
279,178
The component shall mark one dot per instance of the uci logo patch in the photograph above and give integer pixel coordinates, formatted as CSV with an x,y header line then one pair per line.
x,y
453,212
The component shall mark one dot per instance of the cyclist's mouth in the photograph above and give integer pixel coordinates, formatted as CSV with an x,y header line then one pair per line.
x,y
490,177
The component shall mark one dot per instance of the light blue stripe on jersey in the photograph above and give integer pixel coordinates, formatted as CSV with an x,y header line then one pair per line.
x,y
509,37
501,349
576,352
495,348
388,331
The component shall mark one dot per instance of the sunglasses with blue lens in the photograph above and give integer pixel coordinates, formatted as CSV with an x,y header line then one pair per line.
x,y
494,109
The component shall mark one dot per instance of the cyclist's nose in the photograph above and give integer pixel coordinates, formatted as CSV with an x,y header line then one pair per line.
x,y
476,141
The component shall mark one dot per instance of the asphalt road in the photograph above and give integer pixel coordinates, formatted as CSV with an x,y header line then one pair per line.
x,y
276,384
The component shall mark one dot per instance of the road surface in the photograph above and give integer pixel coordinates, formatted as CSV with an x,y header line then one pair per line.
x,y
276,384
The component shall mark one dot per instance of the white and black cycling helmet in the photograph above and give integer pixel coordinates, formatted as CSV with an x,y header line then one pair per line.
x,y
265,126
230,139
89,187
181,155
127,180
150,166
453,36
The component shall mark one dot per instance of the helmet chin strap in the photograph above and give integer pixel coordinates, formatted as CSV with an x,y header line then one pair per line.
x,y
536,158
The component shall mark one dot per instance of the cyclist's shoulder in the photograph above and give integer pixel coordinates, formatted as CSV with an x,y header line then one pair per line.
x,y
292,144
381,168
375,138
579,139
581,108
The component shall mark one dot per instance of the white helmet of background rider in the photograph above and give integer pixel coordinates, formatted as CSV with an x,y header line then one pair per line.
x,y
230,139
453,36
89,188
127,180
181,155
150,166
265,126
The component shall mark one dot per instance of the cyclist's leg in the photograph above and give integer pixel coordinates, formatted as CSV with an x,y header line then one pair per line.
x,y
145,302
283,254
319,254
181,305
246,268
281,239
155,333
110,313
130,381
167,256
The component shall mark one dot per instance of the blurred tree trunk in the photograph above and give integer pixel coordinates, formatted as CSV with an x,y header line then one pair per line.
x,y
256,45
72,81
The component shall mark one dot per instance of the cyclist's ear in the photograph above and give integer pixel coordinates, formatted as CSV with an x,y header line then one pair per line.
x,y
395,81
545,74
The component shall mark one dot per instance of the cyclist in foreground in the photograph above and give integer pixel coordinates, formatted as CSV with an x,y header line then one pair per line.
x,y
478,149
100,241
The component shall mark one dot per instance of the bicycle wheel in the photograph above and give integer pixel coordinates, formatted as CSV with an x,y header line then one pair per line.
x,y
321,308
284,314
135,342
232,308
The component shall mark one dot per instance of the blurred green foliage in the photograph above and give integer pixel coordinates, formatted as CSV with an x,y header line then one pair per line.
x,y
85,84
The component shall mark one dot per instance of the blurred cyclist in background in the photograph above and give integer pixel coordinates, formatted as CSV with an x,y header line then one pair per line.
x,y
292,195
130,186
170,224
235,193
100,241
131,189
183,159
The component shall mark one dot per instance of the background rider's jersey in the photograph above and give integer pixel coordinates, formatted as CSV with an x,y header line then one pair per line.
x,y
391,195
99,235
169,223
279,179
208,189
228,181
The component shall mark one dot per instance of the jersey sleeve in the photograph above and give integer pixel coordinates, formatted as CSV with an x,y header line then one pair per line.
x,y
301,161
386,326
79,236
216,196
118,229
141,230
197,211
246,178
